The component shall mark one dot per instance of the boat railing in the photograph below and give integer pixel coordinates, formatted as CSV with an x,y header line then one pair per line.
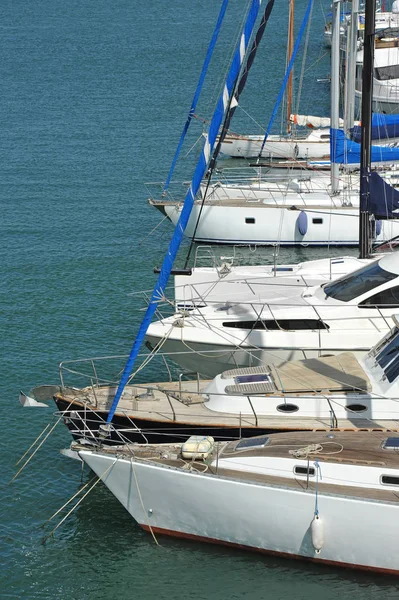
x,y
88,421
100,371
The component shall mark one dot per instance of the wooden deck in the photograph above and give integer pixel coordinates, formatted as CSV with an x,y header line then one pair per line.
x,y
351,448
165,404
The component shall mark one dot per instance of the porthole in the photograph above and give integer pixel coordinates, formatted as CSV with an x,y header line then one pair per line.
x,y
389,480
308,471
317,221
250,220
287,408
356,407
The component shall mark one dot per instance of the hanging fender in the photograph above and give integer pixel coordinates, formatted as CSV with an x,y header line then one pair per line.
x,y
302,222
317,533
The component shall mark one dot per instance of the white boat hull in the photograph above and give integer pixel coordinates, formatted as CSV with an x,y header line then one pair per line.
x,y
353,531
312,147
264,224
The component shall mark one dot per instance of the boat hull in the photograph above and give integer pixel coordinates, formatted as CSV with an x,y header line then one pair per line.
x,y
84,422
259,224
357,532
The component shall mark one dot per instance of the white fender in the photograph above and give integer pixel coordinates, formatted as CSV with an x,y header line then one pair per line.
x,y
317,533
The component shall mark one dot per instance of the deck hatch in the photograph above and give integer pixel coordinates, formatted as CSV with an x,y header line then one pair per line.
x,y
391,443
258,442
254,378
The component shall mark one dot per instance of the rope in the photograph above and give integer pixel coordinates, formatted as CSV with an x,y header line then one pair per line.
x,y
78,502
142,503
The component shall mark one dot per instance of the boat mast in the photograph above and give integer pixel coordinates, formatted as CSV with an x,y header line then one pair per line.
x,y
350,74
365,149
335,41
290,49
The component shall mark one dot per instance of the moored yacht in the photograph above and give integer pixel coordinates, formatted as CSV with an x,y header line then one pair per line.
x,y
329,498
316,394
281,323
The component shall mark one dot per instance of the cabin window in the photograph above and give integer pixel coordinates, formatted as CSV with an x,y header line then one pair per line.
x,y
355,284
391,443
389,480
325,137
287,408
387,72
255,442
284,324
250,220
356,407
388,298
317,221
308,471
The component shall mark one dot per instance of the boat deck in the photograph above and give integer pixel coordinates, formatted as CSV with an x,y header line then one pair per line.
x,y
351,448
258,203
166,402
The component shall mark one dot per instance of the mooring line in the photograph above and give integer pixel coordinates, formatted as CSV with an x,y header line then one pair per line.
x,y
77,503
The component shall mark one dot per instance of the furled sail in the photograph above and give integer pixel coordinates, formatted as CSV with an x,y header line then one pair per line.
x,y
222,105
347,152
382,127
383,200
313,122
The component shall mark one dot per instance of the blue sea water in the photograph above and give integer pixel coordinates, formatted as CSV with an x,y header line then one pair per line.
x,y
93,98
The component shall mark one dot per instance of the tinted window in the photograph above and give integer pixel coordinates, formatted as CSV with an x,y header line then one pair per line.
x,y
285,324
355,284
388,359
385,298
386,73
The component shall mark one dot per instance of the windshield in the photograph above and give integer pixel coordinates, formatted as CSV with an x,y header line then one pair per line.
x,y
355,284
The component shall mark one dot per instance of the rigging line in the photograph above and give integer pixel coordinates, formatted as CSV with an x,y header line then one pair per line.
x,y
165,218
194,145
205,66
68,501
33,444
39,446
79,501
286,77
305,53
261,127
142,503
236,91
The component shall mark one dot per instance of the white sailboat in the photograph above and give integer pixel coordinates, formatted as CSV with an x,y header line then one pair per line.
x,y
328,498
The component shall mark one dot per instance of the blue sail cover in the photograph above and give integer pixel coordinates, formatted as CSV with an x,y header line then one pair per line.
x,y
382,127
347,152
383,201
222,106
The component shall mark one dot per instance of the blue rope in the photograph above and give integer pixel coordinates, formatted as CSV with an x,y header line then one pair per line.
x,y
205,66
199,172
286,77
